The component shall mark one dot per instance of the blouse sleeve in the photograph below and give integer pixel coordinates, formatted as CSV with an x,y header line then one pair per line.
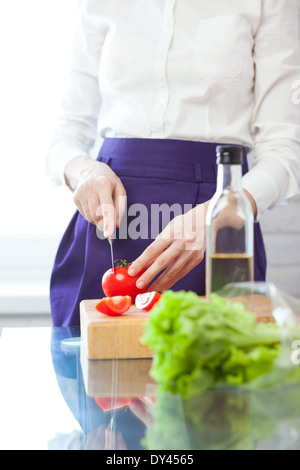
x,y
76,130
275,125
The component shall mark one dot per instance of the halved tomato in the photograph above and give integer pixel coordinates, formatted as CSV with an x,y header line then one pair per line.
x,y
108,404
147,301
114,306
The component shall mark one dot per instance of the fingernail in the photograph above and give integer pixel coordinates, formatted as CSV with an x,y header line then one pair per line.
x,y
107,233
131,271
140,284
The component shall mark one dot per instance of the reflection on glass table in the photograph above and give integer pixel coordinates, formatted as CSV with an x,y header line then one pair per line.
x,y
227,420
111,399
52,397
133,414
252,400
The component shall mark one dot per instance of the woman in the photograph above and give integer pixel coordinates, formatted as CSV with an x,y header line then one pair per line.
x,y
162,83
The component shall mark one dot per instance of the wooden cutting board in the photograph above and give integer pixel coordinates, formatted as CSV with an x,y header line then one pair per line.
x,y
106,337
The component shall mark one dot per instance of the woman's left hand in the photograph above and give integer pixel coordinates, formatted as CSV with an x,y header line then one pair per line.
x,y
176,251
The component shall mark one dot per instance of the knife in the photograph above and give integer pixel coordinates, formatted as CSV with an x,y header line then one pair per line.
x,y
110,241
111,441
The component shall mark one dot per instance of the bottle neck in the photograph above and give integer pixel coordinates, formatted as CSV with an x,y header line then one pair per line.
x,y
229,178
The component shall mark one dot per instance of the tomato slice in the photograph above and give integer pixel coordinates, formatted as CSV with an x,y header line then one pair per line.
x,y
114,306
147,301
108,404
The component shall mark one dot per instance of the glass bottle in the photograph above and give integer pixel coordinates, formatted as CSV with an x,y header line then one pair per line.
x,y
229,225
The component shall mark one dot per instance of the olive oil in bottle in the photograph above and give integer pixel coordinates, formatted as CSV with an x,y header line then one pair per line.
x,y
226,268
229,225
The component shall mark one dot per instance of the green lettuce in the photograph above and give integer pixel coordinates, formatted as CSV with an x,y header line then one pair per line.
x,y
199,343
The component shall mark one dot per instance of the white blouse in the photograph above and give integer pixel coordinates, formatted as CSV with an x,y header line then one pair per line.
x,y
217,71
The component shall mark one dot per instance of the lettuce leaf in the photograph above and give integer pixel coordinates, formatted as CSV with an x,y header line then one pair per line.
x,y
201,343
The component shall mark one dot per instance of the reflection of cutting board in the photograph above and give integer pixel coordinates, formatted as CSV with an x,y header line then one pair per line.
x,y
106,337
118,377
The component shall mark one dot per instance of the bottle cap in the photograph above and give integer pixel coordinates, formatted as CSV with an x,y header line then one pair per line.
x,y
229,154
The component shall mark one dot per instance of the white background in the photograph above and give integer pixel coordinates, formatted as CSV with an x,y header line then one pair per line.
x,y
35,40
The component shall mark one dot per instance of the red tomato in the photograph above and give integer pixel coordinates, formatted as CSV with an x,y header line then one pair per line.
x,y
114,306
108,404
118,282
147,301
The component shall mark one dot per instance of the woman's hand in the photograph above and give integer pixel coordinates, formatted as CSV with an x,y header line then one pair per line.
x,y
98,193
176,250
103,438
252,202
142,408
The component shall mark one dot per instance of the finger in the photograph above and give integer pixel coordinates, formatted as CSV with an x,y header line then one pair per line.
x,y
99,216
88,215
141,412
99,211
95,439
100,225
121,444
174,272
148,256
148,401
161,262
110,440
119,198
83,209
78,205
93,204
104,189
108,219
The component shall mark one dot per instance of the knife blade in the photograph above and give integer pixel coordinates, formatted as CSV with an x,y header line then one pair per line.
x,y
110,241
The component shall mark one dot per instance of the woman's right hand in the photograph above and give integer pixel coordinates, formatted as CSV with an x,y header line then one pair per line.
x,y
98,193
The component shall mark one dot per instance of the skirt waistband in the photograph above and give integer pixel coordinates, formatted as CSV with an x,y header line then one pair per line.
x,y
163,158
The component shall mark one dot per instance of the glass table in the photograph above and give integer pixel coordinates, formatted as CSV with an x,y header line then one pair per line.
x,y
52,397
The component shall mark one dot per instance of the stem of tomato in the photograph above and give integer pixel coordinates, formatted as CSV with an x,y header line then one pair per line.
x,y
122,263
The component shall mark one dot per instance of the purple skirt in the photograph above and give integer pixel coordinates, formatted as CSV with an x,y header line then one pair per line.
x,y
153,171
